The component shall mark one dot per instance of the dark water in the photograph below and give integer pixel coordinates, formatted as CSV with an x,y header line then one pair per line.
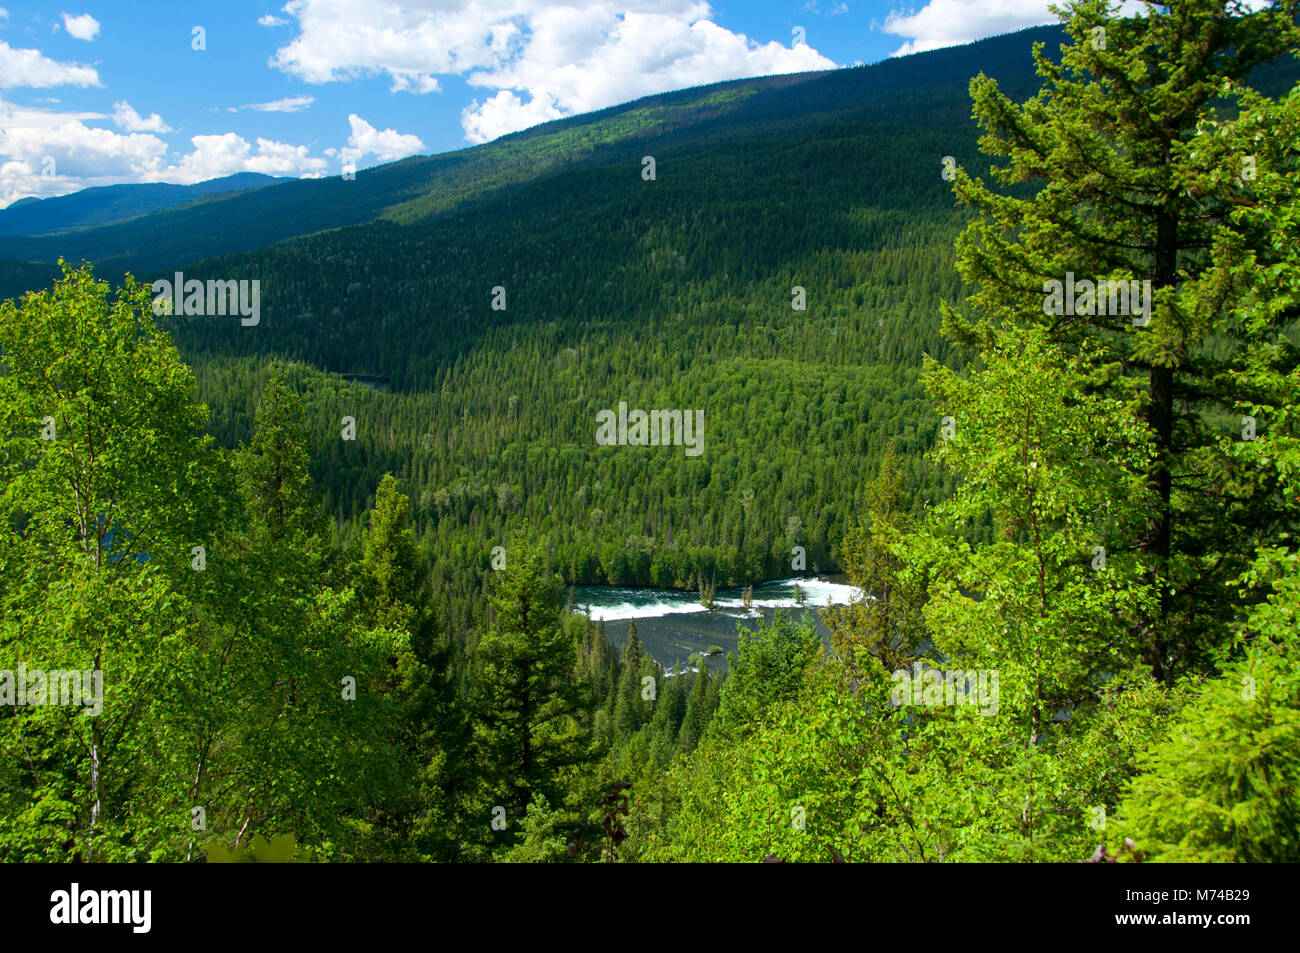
x,y
672,624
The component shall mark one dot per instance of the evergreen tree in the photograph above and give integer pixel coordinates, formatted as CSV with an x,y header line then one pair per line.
x,y
1128,195
886,624
768,670
274,467
1220,785
696,717
529,701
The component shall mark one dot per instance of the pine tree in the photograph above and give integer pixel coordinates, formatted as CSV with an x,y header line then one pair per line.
x,y
1220,785
394,594
274,467
696,716
393,584
886,626
529,701
768,669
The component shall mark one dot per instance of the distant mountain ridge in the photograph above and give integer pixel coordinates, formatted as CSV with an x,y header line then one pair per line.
x,y
109,204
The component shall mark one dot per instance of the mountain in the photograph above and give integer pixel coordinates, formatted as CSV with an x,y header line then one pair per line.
x,y
671,293
674,293
107,205
926,89
153,228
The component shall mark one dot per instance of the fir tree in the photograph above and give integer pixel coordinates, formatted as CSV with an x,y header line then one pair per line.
x,y
1127,194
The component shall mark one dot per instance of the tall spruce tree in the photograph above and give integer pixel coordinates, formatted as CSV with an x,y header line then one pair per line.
x,y
432,733
1221,785
530,704
1125,193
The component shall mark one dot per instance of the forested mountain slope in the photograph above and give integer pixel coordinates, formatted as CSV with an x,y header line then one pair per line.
x,y
913,90
676,292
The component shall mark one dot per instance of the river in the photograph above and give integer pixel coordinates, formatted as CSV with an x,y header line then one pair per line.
x,y
672,624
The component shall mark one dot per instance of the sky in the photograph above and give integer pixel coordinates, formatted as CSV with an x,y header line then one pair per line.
x,y
99,93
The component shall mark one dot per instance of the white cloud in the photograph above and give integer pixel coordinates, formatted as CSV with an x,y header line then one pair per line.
x,y
386,146
228,153
541,61
269,21
504,113
950,22
290,104
31,68
78,155
83,27
130,120
943,23
52,153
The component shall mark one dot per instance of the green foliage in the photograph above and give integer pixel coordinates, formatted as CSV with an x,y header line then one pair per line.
x,y
1059,445
1221,785
885,624
528,702
281,849
769,669
221,667
1134,187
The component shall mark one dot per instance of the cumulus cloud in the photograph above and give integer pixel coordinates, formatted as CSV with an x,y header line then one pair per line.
x,y
386,146
951,22
130,120
539,60
83,27
228,153
269,20
48,152
504,113
31,68
53,153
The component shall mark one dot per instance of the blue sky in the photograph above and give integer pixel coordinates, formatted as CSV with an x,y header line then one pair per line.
x,y
97,93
